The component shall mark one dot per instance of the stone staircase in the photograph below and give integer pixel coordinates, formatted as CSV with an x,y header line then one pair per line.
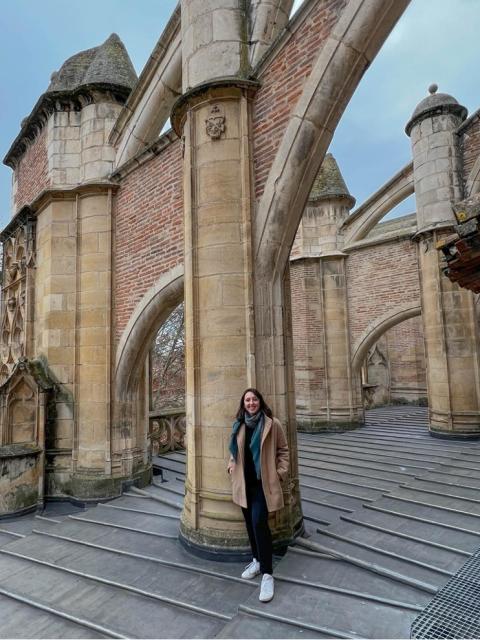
x,y
391,515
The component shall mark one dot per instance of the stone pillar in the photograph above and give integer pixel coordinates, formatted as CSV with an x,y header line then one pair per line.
x,y
451,333
92,378
72,331
214,121
328,395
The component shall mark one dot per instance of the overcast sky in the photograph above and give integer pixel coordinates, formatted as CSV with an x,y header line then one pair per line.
x,y
435,41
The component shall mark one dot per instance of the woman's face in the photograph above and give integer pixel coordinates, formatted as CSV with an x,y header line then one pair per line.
x,y
251,403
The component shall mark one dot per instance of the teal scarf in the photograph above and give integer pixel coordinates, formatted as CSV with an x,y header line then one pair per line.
x,y
251,422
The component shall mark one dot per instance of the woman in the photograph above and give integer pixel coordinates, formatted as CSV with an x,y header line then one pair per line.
x,y
258,464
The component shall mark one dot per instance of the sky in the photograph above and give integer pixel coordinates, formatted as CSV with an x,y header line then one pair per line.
x,y
434,41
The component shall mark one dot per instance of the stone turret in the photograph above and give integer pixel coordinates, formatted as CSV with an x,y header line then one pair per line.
x,y
450,330
436,157
328,205
62,162
327,393
68,128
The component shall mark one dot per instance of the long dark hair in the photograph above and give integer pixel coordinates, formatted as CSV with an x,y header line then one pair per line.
x,y
263,405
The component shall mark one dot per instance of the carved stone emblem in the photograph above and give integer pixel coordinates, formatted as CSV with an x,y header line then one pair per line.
x,y
215,123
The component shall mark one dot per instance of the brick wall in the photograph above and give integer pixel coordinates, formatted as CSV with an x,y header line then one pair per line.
x,y
407,359
379,278
31,174
148,229
470,146
282,84
307,329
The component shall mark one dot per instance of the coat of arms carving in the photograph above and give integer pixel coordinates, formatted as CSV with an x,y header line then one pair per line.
x,y
215,123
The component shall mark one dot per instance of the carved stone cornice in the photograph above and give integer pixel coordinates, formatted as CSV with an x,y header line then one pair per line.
x,y
67,193
22,218
57,101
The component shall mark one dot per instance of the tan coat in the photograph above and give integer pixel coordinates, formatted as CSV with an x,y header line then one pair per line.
x,y
274,462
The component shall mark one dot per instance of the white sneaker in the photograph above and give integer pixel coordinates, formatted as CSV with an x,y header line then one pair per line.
x,y
266,590
251,570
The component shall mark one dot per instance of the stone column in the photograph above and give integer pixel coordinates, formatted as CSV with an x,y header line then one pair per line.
x,y
328,395
72,331
451,333
213,118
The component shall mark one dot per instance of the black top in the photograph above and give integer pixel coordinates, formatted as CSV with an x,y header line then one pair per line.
x,y
249,466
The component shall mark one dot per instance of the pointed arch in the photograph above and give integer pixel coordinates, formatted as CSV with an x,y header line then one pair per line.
x,y
357,37
364,218
148,106
149,314
377,328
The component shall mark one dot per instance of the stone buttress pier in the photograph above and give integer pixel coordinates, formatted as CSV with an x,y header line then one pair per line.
x,y
213,119
327,392
450,329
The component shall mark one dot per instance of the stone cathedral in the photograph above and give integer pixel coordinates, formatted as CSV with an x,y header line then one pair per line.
x,y
238,210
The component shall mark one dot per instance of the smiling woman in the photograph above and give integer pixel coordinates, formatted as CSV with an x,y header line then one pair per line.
x,y
258,466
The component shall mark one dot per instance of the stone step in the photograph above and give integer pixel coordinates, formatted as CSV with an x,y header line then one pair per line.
x,y
373,461
316,514
164,525
416,550
20,620
386,454
164,462
349,488
445,500
446,488
333,614
246,625
322,467
367,442
410,509
351,462
7,537
451,473
364,481
175,487
397,522
392,562
187,587
159,550
178,456
300,564
343,501
138,503
126,614
153,492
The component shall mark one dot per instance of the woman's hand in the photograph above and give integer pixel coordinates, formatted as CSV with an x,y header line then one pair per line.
x,y
230,467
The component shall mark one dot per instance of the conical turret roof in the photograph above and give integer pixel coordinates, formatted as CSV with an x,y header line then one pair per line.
x,y
435,103
107,67
107,64
329,183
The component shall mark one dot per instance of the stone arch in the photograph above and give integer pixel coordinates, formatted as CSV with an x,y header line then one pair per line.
x,y
149,105
152,310
346,54
365,217
379,327
354,42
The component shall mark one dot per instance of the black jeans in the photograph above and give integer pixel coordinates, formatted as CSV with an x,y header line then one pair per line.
x,y
256,519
